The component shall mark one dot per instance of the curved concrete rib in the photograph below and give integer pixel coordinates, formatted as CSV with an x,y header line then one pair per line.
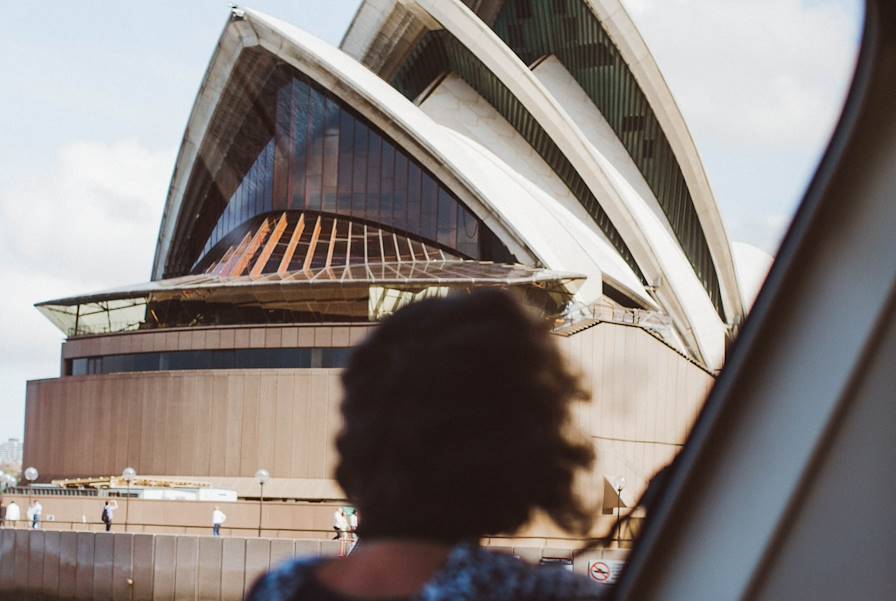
x,y
619,26
661,259
458,107
561,240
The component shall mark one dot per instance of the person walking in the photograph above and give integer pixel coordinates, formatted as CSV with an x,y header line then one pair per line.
x,y
340,523
13,513
109,514
218,518
36,512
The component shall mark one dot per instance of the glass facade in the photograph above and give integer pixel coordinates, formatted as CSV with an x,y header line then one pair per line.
x,y
256,358
252,197
299,148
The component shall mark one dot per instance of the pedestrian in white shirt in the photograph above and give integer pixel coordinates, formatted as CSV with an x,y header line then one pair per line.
x,y
218,518
36,512
109,514
340,523
13,513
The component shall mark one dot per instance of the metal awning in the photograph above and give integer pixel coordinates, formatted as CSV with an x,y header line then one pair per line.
x,y
355,292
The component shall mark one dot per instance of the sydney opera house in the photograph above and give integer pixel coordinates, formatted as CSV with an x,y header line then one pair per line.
x,y
446,146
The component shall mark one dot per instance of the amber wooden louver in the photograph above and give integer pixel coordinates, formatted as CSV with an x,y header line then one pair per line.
x,y
304,241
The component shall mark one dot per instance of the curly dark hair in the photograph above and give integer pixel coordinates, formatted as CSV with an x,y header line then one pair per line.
x,y
457,423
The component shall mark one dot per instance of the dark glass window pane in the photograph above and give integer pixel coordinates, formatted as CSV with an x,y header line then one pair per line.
x,y
468,234
283,141
316,357
346,147
296,358
429,209
359,175
269,173
253,206
114,364
300,133
399,212
331,154
374,173
79,367
413,224
316,154
387,183
447,219
243,359
335,357
147,362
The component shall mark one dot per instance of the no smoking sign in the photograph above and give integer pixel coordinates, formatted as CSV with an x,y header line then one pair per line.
x,y
605,571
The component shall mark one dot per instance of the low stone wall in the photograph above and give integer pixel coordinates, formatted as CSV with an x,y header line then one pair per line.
x,y
40,565
36,565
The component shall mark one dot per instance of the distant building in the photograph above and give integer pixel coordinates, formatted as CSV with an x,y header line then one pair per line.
x,y
527,145
11,451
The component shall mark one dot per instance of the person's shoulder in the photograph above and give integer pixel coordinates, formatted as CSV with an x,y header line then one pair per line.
x,y
284,582
475,573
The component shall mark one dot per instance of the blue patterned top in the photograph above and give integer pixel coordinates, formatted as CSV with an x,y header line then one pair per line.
x,y
470,574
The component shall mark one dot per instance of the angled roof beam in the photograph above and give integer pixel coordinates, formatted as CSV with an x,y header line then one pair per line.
x,y
291,247
246,257
269,247
224,267
312,246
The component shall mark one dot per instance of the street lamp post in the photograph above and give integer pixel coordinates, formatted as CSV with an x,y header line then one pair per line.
x,y
31,475
618,485
128,474
262,475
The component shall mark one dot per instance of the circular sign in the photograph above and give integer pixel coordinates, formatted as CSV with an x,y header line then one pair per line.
x,y
600,571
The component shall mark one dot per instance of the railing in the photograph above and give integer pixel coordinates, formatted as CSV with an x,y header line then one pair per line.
x,y
53,525
54,491
579,316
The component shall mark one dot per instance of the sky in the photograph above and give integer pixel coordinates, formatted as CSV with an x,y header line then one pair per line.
x,y
96,96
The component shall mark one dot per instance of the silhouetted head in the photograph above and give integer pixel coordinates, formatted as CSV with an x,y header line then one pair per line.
x,y
457,423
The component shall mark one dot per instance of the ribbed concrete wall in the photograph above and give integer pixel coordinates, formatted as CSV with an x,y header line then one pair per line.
x,y
229,423
138,567
36,565
185,423
644,399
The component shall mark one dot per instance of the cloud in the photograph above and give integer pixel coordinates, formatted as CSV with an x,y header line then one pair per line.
x,y
754,73
761,85
89,223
